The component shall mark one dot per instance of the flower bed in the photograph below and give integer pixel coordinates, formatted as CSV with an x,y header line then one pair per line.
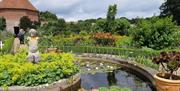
x,y
15,70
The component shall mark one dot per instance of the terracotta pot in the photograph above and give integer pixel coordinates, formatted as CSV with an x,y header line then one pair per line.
x,y
163,84
52,50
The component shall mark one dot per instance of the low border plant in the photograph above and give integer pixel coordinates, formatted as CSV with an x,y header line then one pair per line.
x,y
15,70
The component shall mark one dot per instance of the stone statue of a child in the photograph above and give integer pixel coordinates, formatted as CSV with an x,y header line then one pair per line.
x,y
33,53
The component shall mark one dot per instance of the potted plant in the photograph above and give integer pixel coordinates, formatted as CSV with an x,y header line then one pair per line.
x,y
47,43
167,80
51,46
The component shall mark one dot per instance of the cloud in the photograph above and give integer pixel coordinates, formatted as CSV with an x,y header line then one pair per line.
x,y
73,10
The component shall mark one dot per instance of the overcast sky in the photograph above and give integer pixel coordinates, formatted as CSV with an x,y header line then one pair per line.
x,y
73,10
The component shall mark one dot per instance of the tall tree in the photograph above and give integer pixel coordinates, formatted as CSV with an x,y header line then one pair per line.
x,y
171,7
25,23
122,26
60,26
112,11
54,27
48,16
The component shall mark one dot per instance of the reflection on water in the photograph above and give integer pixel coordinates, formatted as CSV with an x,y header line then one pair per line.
x,y
111,78
93,78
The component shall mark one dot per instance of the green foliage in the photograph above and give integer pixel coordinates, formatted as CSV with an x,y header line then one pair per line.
x,y
73,27
7,45
124,42
101,25
8,40
110,50
73,41
146,61
122,26
25,23
2,23
86,25
155,33
141,56
171,7
53,27
114,88
48,16
36,24
46,41
112,10
15,70
176,37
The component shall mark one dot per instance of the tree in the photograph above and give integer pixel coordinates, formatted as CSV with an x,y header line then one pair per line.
x,y
60,26
47,16
73,27
122,26
25,23
2,23
84,25
101,25
54,27
112,10
156,33
171,7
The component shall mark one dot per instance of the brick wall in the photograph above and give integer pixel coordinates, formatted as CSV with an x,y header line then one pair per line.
x,y
13,16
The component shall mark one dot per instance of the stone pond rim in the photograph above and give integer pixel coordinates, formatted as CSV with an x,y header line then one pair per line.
x,y
146,73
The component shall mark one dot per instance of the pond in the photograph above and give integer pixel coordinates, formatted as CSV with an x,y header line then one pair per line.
x,y
97,74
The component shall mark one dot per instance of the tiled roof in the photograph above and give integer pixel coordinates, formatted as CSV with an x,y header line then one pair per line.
x,y
17,4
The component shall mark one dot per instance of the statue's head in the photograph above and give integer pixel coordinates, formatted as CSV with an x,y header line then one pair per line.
x,y
32,33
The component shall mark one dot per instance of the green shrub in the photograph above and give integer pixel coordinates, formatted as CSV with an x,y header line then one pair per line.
x,y
104,39
7,45
88,42
53,27
155,33
114,88
122,26
110,50
15,70
176,37
124,42
141,56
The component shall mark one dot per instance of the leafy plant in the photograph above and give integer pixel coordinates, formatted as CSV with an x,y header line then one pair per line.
x,y
7,45
176,42
171,59
104,39
114,88
124,42
155,33
15,70
122,26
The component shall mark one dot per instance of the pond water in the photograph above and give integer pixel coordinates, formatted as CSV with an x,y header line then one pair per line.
x,y
97,74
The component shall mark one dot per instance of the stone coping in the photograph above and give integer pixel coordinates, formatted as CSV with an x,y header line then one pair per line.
x,y
62,85
138,69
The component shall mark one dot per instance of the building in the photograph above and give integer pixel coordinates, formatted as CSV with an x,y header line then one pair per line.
x,y
13,10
